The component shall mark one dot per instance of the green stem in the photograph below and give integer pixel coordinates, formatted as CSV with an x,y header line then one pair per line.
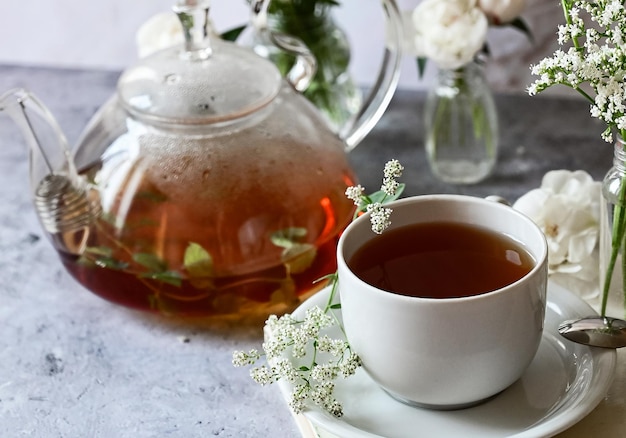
x,y
584,94
622,242
329,303
617,240
333,292
567,6
623,276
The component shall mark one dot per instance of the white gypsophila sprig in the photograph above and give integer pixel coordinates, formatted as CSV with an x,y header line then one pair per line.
x,y
335,347
350,364
300,351
241,358
322,395
379,217
354,193
302,339
373,204
324,372
262,375
298,399
393,169
594,64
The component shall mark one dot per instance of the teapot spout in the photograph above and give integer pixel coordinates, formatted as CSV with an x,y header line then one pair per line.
x,y
66,206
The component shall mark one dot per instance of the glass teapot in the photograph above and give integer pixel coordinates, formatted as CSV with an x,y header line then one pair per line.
x,y
207,185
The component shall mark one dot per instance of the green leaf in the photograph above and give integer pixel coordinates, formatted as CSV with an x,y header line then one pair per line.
x,y
150,261
110,263
421,66
486,51
233,34
299,257
186,19
335,306
288,237
169,277
384,198
102,256
521,25
304,368
198,262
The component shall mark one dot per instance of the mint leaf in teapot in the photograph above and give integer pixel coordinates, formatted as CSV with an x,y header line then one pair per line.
x,y
198,262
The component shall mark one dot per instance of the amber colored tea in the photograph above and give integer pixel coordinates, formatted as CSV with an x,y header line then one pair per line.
x,y
441,260
135,252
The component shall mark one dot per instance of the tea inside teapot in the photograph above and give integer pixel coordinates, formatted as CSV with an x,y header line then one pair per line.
x,y
212,224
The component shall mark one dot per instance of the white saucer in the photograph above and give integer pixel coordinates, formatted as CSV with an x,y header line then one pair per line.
x,y
562,385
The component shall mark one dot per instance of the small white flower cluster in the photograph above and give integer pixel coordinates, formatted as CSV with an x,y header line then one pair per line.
x,y
373,204
567,208
452,32
596,57
354,193
313,381
379,217
393,169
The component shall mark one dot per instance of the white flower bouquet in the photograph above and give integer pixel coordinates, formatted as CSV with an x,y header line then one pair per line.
x,y
452,32
593,63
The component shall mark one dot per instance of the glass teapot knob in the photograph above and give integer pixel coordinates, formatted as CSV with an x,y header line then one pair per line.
x,y
194,17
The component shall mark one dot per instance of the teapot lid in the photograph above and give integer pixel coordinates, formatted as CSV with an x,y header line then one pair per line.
x,y
206,80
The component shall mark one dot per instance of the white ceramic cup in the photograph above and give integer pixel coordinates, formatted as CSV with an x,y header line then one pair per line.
x,y
446,353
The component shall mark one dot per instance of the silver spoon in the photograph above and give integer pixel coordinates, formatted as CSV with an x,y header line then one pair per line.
x,y
596,331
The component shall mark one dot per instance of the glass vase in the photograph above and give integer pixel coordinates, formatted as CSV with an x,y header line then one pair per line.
x,y
461,126
613,235
332,90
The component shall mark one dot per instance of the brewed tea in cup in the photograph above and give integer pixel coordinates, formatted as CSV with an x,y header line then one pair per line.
x,y
445,307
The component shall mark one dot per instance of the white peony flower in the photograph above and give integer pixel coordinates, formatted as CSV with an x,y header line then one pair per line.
x,y
567,208
410,41
502,11
449,32
161,31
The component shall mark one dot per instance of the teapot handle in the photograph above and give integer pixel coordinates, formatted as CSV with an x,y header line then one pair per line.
x,y
386,82
305,66
304,69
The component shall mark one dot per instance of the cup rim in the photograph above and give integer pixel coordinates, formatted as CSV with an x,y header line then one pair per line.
x,y
540,262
